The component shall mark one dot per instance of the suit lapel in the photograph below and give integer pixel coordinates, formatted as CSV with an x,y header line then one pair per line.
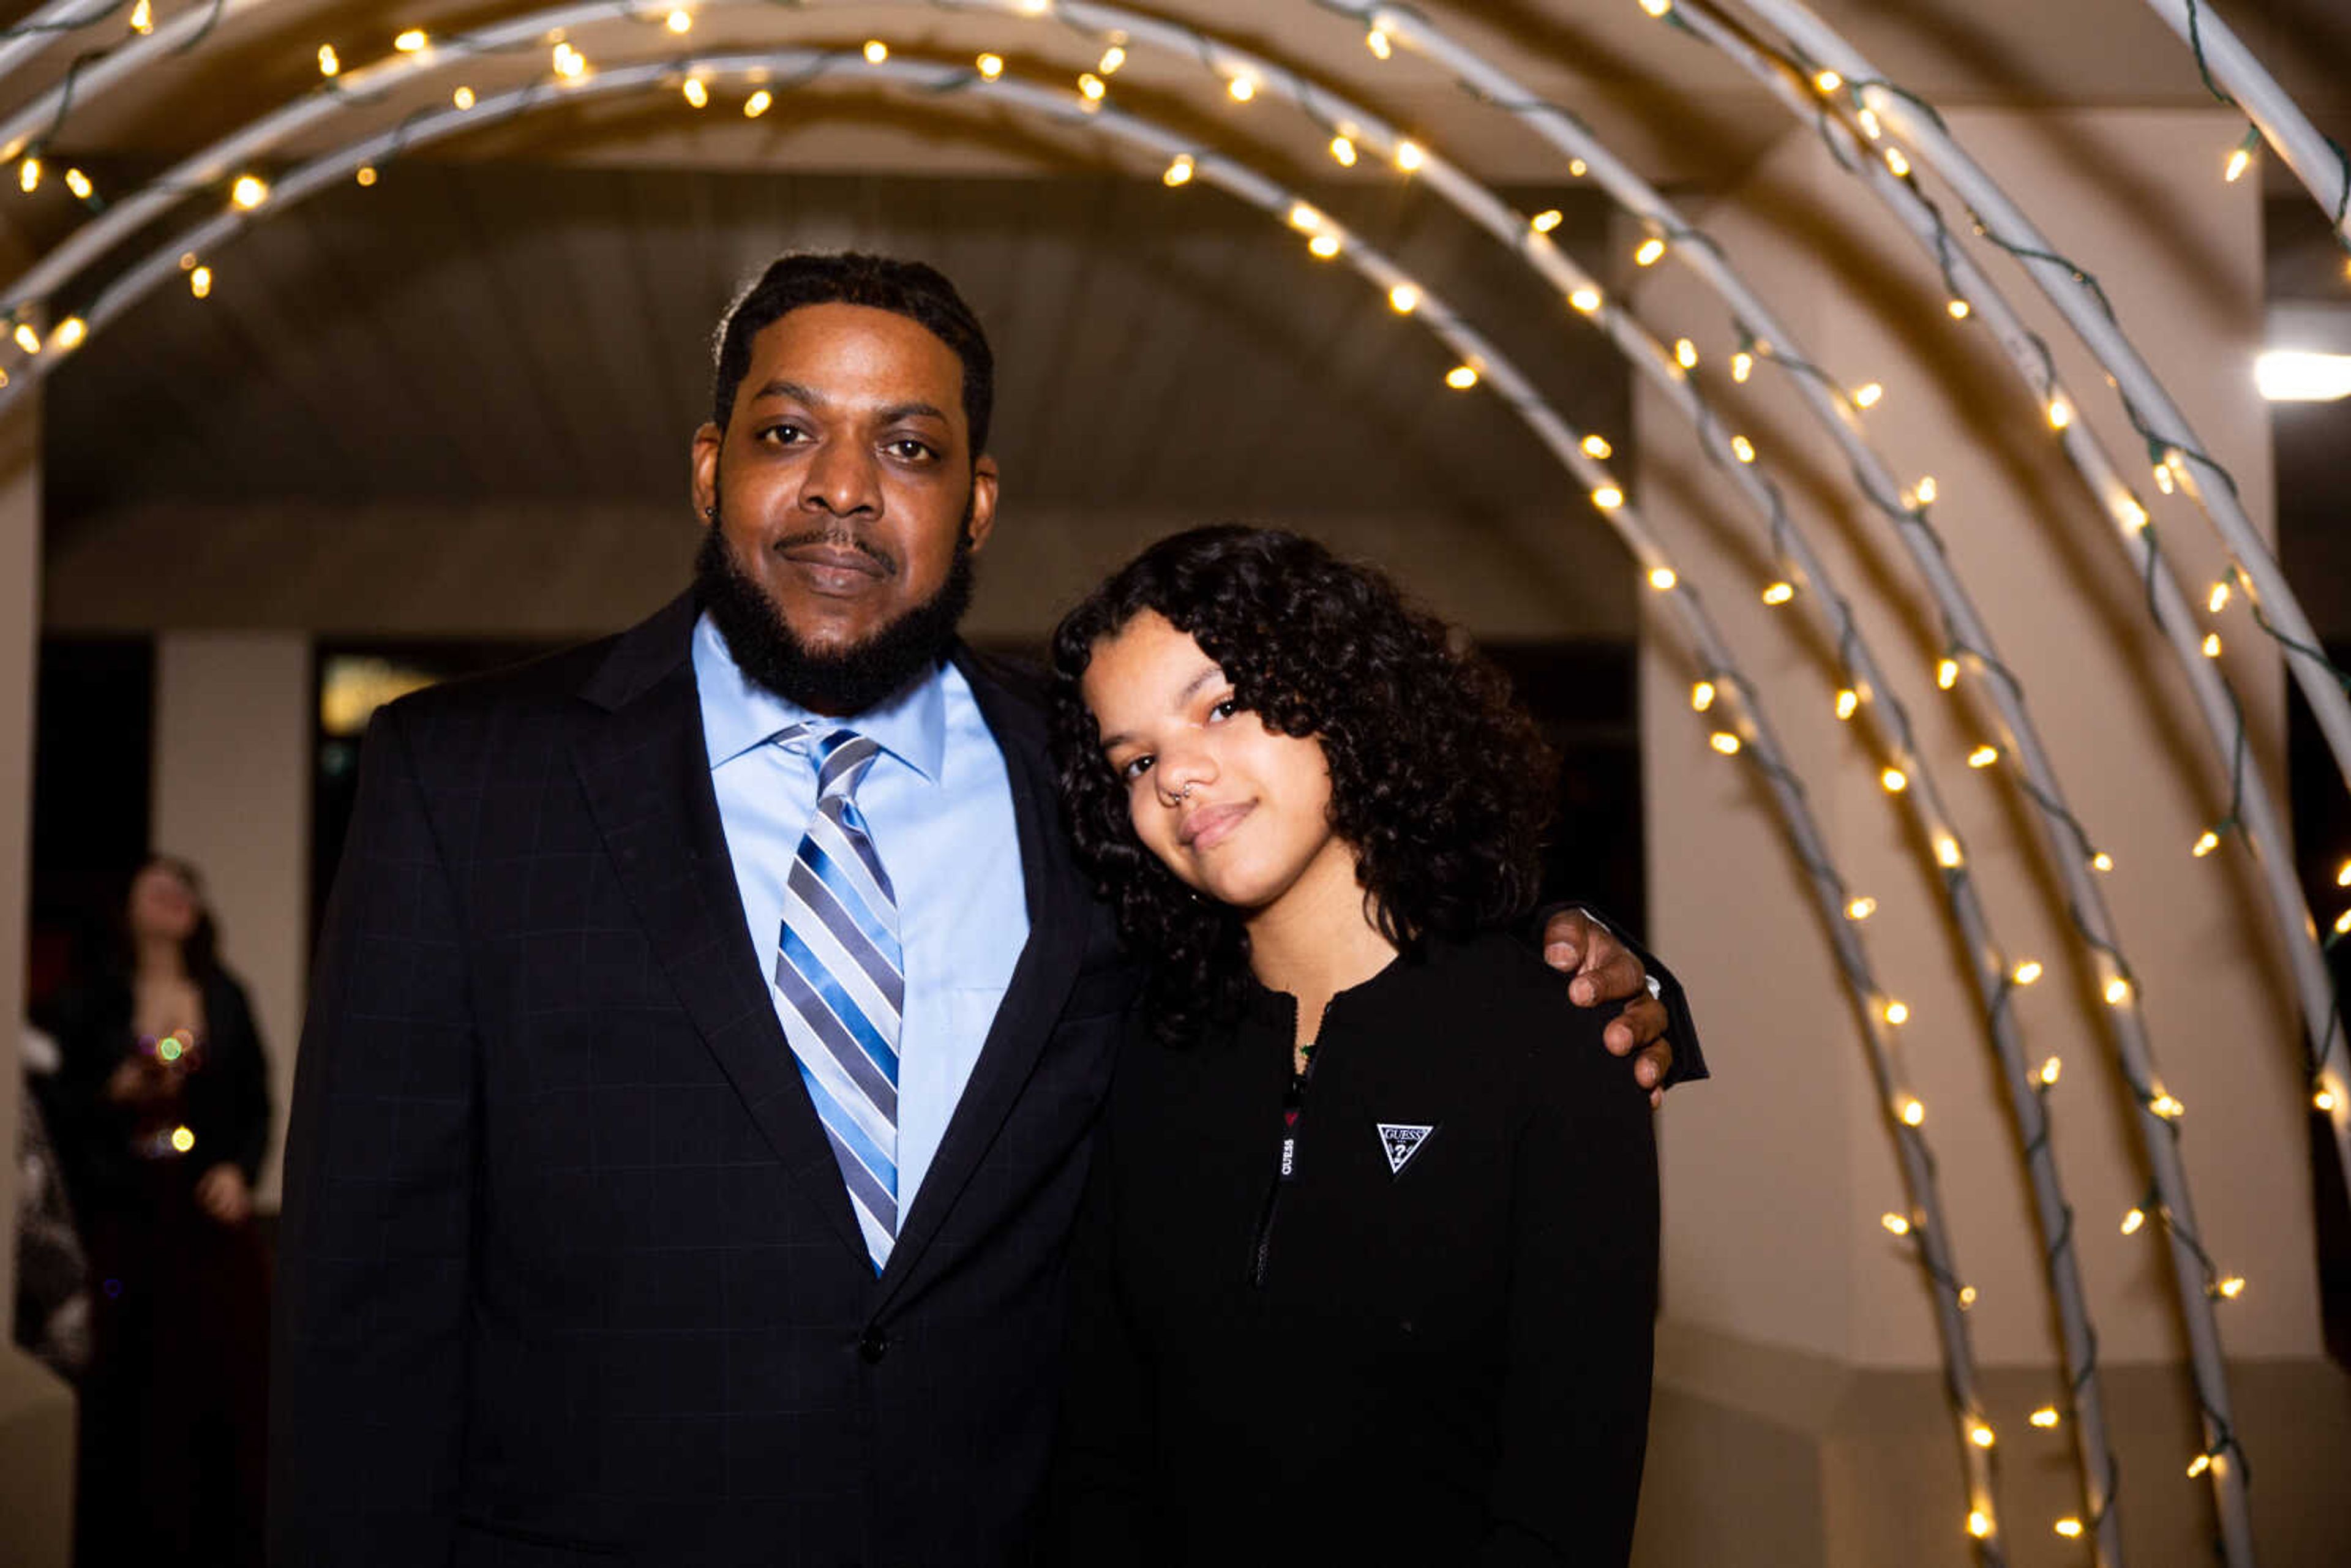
x,y
1041,980
646,770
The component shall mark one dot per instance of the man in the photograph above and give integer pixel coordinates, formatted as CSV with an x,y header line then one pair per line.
x,y
708,1029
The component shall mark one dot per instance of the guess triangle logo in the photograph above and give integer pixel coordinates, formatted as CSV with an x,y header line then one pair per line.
x,y
1402,1142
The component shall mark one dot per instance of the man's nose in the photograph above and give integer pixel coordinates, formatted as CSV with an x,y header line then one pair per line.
x,y
842,479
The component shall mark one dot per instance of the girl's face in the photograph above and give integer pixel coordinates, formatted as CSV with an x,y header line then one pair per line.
x,y
162,905
1240,812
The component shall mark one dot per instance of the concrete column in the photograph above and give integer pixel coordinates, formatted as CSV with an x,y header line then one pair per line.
x,y
232,795
1800,1335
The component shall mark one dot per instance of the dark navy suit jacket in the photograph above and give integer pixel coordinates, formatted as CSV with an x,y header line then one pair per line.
x,y
568,1273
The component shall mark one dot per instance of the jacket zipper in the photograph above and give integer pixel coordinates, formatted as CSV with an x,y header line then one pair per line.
x,y
1293,1119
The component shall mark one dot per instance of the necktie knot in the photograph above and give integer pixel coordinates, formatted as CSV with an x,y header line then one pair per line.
x,y
842,756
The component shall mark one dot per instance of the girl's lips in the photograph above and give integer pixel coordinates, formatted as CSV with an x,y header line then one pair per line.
x,y
1208,826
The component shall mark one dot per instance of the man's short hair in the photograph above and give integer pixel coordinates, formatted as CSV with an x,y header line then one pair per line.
x,y
910,288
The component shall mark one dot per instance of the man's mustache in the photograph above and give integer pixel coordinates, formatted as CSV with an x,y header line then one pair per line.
x,y
838,537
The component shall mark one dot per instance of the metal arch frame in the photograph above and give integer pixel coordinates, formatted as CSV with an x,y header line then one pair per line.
x,y
1561,439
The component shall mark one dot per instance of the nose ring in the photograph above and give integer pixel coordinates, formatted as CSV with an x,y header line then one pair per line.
x,y
1184,793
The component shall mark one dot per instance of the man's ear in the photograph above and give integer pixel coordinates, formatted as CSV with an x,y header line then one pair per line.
x,y
983,502
703,463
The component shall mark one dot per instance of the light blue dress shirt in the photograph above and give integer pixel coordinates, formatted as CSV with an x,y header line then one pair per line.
x,y
938,802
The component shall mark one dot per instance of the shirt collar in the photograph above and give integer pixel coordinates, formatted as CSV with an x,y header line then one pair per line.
x,y
738,715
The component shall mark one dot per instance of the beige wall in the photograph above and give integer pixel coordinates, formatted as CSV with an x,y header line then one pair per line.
x,y
231,794
1776,1173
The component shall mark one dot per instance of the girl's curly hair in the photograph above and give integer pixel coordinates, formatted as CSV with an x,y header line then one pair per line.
x,y
1438,781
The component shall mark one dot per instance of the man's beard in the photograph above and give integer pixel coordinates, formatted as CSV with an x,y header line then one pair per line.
x,y
839,683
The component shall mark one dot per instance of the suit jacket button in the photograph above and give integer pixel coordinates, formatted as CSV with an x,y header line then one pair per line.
x,y
872,1346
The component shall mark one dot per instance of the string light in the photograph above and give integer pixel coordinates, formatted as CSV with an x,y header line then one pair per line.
x,y
330,63
2342,875
143,18
681,21
1661,578
1323,247
1403,298
2218,599
1685,354
1702,696
1913,1114
2050,1070
2239,162
29,175
1608,498
1960,309
1897,1013
1409,157
1725,742
2211,644
1112,58
1597,447
200,282
1179,172
1927,491
1897,163
2199,1465
1861,908
2170,1109
1847,701
1981,1436
1979,1523
876,51
365,174
1342,151
2163,478
1828,81
249,191
1742,449
1946,674
463,98
1577,168
1376,40
1461,378
412,42
2101,862
1867,118
2130,513
2046,1417
1585,300
1542,222
182,1139
1656,7
1779,593
1651,250
79,183
697,92
2069,1527
1983,756
2323,1101
1868,396
1304,218
69,334
1743,365
2231,1288
990,67
1946,851
2133,1221
2343,924
758,104
2060,414
2206,843
1894,1223
2025,973
1090,85
2118,991
1895,780
1241,88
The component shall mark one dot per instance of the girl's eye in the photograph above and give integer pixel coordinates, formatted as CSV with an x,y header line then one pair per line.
x,y
1225,709
1134,768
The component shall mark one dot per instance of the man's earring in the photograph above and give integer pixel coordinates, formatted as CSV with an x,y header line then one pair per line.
x,y
710,513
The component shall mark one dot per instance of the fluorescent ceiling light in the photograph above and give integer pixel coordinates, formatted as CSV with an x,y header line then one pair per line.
x,y
2293,375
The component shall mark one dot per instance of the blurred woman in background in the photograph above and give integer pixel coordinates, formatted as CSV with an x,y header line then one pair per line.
x,y
161,1109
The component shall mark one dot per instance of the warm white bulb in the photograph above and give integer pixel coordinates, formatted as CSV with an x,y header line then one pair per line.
x,y
681,21
759,103
990,67
1702,696
1898,1012
1342,151
1861,908
1542,222
249,191
2026,972
1461,378
2294,375
1868,396
1585,300
1597,447
1661,578
1983,756
697,92
1179,172
1403,298
1725,742
1779,593
1649,253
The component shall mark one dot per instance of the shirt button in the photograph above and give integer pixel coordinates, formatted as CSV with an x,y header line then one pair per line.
x,y
872,1346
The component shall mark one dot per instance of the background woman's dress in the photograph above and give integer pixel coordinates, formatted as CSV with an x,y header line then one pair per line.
x,y
173,1408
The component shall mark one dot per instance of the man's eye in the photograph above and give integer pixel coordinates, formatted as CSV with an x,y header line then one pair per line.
x,y
780,433
1135,768
907,449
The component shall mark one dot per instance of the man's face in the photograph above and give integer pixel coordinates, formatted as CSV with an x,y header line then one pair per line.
x,y
850,477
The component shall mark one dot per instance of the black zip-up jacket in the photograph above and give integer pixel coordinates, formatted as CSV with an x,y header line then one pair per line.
x,y
1430,1340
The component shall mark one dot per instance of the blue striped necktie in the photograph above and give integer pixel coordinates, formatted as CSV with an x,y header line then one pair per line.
x,y
839,970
